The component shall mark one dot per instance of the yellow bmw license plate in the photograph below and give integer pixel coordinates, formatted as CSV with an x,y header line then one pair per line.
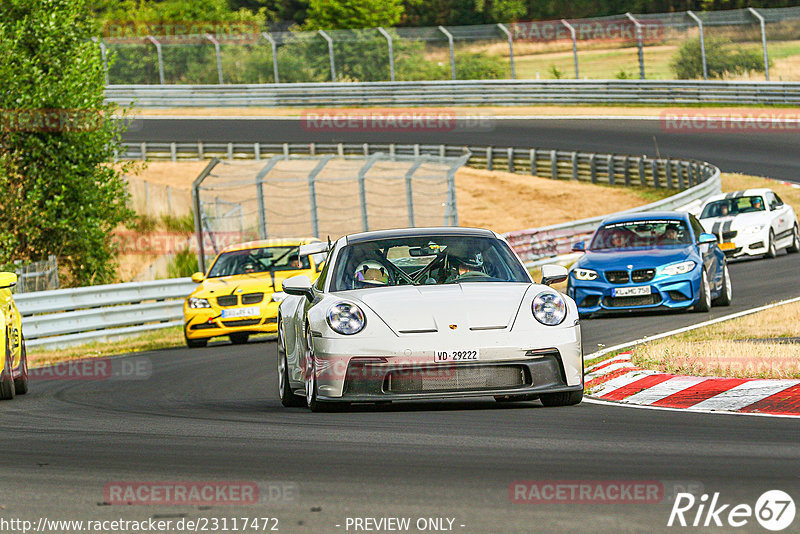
x,y
727,246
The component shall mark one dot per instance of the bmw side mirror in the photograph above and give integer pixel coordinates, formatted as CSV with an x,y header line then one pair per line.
x,y
299,285
553,274
198,277
580,246
7,280
706,239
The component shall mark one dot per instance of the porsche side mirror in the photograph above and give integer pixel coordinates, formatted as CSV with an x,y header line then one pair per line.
x,y
580,246
7,280
299,285
198,277
553,274
705,239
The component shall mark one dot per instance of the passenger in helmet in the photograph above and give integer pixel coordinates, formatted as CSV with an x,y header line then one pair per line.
x,y
249,267
371,273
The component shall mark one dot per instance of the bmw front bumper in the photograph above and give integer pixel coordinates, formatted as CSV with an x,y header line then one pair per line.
x,y
666,292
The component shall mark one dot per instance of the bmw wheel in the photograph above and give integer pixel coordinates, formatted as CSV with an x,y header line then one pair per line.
x,y
288,398
726,293
771,250
704,299
795,246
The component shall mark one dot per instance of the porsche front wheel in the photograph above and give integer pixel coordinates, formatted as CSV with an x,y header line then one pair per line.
x,y
288,398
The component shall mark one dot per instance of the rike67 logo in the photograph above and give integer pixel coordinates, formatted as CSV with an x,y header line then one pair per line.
x,y
774,510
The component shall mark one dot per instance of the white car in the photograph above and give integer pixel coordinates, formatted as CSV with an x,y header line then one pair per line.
x,y
754,222
426,313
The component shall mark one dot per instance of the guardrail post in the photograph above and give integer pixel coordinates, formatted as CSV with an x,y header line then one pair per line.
x,y
257,150
702,41
489,158
593,168
160,58
575,166
312,149
654,168
452,52
668,170
504,29
391,51
274,46
143,150
200,155
681,170
442,151
230,151
286,149
365,147
642,175
610,166
534,170
416,150
330,53
640,43
758,16
574,36
511,159
391,151
312,193
218,54
553,165
173,152
627,170
340,149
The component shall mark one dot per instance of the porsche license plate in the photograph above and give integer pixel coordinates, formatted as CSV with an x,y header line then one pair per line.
x,y
469,355
727,246
631,291
252,311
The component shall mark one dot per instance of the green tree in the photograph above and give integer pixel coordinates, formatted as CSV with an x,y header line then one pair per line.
x,y
60,194
353,14
722,58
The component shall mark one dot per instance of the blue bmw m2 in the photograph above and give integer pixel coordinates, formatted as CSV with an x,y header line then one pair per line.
x,y
650,261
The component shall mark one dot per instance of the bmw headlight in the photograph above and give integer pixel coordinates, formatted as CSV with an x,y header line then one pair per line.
x,y
549,308
278,296
195,302
345,318
678,268
585,274
753,229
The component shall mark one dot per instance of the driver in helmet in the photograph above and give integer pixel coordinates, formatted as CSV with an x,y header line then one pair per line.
x,y
756,203
371,273
249,267
465,265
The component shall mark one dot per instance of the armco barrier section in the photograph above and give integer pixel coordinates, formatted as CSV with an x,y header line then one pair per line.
x,y
456,93
66,317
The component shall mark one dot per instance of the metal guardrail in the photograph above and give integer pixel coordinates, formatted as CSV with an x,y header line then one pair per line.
x,y
456,93
64,317
72,316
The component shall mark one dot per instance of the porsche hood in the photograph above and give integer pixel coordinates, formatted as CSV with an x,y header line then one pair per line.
x,y
419,309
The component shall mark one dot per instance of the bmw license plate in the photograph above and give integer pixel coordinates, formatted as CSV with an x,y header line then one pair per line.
x,y
441,356
632,291
252,311
727,246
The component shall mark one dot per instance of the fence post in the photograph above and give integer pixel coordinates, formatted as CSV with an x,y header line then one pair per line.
x,y
198,212
640,44
391,51
312,193
504,29
217,53
274,46
262,214
160,58
410,190
702,41
572,33
452,52
553,165
330,54
758,16
362,189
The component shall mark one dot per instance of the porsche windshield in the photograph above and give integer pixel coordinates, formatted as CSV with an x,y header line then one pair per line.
x,y
641,234
732,206
426,261
257,260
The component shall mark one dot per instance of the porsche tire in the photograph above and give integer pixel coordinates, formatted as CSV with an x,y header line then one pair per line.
x,y
725,296
312,402
704,299
7,389
564,398
21,382
288,398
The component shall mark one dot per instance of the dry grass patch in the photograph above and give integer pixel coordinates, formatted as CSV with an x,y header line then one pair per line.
x,y
729,348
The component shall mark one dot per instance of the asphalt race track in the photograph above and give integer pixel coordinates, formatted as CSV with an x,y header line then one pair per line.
x,y
213,414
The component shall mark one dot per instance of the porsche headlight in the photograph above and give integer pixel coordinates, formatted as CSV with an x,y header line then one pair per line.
x,y
549,308
345,318
753,229
278,296
585,274
195,302
678,268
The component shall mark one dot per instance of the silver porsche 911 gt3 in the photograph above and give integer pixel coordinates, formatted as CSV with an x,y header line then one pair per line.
x,y
426,313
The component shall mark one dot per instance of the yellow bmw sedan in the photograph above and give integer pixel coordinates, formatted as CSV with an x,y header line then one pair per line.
x,y
239,295
14,377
